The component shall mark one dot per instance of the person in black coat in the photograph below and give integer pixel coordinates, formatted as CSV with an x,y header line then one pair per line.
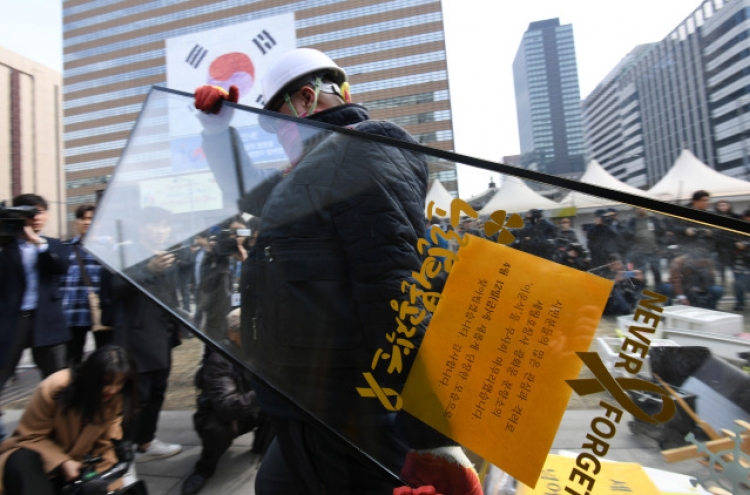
x,y
566,231
692,237
146,329
537,236
603,239
644,236
227,408
31,313
725,242
214,288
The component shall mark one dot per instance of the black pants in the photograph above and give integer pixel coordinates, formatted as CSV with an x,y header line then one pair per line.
x,y
183,288
217,436
49,359
152,386
305,460
24,475
76,344
215,306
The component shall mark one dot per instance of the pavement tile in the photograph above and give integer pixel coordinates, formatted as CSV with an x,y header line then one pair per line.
x,y
178,465
178,427
158,485
235,474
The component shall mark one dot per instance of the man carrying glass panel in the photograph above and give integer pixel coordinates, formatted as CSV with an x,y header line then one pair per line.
x,y
337,237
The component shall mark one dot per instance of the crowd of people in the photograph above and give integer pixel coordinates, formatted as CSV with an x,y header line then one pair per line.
x,y
690,263
52,293
319,274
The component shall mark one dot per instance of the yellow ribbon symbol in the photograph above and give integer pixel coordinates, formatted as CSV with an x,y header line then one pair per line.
x,y
382,394
617,386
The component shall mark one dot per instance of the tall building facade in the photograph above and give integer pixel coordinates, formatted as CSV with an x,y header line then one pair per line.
x,y
613,127
114,51
726,58
31,152
689,90
548,99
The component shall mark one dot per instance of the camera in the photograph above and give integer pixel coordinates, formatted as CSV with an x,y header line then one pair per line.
x,y
92,482
13,220
226,241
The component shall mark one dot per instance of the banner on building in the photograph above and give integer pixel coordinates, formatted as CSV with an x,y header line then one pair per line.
x,y
231,55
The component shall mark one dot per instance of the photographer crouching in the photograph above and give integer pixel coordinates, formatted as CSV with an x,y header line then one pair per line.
x,y
71,415
227,408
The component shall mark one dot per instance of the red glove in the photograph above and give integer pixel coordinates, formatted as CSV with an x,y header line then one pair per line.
x,y
209,98
446,468
422,490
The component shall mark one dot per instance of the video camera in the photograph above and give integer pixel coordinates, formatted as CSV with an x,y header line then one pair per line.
x,y
13,220
93,483
226,241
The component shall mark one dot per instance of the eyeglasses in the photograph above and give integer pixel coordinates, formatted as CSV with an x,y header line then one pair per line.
x,y
277,103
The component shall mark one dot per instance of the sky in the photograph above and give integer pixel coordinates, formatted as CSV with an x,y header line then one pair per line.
x,y
482,37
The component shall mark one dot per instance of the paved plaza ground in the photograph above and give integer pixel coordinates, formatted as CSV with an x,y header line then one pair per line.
x,y
236,474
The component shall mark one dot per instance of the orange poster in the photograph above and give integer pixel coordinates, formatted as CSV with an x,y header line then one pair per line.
x,y
614,478
491,370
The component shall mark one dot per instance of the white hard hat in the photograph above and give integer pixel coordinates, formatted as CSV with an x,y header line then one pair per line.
x,y
295,64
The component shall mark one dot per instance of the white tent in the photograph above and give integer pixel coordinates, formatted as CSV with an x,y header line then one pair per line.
x,y
516,197
688,174
596,174
442,198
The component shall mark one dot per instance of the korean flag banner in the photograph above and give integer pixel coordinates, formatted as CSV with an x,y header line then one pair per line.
x,y
231,55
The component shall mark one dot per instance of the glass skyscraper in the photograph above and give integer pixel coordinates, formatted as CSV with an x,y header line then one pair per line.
x,y
727,79
114,51
613,124
548,99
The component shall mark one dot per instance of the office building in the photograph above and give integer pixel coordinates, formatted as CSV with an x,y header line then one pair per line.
x,y
686,91
613,124
31,152
548,99
394,52
726,60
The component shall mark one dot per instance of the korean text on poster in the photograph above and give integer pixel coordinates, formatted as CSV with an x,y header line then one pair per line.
x,y
491,370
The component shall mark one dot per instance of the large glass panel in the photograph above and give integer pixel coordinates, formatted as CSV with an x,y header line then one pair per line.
x,y
512,324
